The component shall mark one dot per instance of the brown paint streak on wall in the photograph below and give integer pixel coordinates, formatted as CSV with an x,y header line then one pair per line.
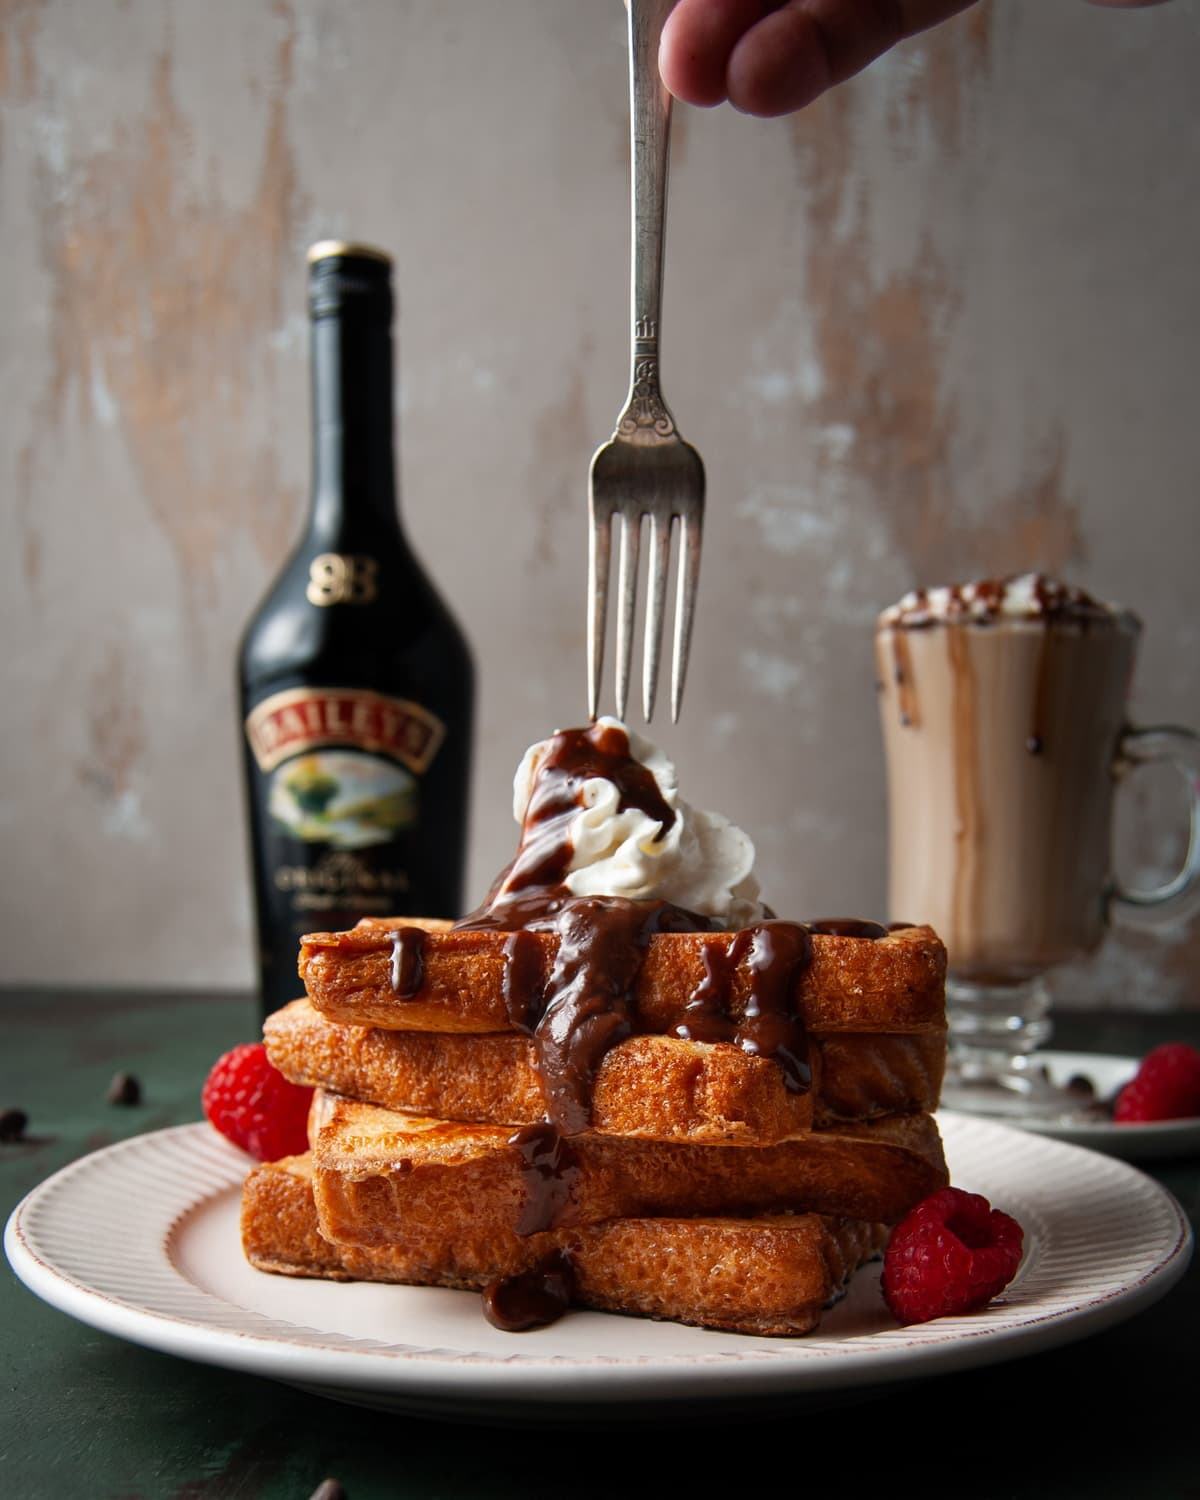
x,y
116,727
272,508
880,347
560,436
169,297
877,347
955,58
1037,525
19,22
31,541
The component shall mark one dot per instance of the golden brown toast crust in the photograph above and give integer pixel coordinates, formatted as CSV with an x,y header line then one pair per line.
x,y
381,1177
280,1231
892,984
701,1189
771,1275
651,1087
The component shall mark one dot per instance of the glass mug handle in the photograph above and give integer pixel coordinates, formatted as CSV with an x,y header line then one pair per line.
x,y
1179,896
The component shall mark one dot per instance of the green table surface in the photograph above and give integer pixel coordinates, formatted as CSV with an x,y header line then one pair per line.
x,y
85,1414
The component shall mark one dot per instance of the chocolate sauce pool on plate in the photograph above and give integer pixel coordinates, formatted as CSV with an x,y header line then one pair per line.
x,y
533,1298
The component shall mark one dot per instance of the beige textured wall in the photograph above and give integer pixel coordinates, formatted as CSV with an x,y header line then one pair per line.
x,y
944,322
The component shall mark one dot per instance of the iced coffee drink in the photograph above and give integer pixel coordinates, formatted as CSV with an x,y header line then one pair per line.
x,y
1003,709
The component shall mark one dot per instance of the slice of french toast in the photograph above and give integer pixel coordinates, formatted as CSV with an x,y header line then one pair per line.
x,y
382,1177
768,1275
438,978
651,1087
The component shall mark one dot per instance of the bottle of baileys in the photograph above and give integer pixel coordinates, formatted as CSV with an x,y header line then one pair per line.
x,y
357,685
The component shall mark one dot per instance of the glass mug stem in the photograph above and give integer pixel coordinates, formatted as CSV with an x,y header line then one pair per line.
x,y
999,1021
995,1033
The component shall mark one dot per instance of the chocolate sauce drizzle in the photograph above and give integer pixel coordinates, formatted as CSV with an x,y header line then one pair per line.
x,y
408,961
586,1003
533,1298
906,687
981,604
1035,741
550,1171
532,885
854,927
521,981
776,954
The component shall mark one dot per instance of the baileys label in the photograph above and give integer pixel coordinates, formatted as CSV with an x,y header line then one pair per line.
x,y
342,768
300,719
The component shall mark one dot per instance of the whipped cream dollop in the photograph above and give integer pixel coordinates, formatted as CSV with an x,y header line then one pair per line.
x,y
699,860
1022,596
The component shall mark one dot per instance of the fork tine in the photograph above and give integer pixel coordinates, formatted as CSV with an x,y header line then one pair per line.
x,y
631,533
656,598
599,551
685,606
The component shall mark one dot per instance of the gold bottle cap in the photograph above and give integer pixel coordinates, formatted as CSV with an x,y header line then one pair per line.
x,y
325,249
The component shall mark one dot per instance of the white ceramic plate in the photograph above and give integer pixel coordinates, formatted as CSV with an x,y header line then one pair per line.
x,y
141,1240
1155,1141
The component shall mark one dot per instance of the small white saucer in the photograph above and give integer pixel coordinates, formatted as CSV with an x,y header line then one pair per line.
x,y
1157,1141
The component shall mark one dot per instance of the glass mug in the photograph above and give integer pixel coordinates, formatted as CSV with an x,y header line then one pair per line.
x,y
1003,710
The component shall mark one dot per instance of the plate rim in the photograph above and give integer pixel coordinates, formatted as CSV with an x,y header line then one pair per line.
x,y
437,1377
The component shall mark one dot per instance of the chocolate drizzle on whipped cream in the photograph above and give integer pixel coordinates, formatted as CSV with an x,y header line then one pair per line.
x,y
586,1004
533,886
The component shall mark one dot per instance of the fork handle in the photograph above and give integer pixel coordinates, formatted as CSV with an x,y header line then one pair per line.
x,y
645,414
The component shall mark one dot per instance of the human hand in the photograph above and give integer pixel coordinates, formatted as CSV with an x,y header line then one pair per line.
x,y
770,57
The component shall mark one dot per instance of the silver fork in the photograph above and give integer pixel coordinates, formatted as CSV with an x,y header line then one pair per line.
x,y
646,468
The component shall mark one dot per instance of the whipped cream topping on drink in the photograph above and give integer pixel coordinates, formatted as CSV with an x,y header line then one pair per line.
x,y
657,847
1041,606
1023,596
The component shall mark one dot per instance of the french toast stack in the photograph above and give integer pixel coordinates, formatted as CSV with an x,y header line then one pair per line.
x,y
686,1154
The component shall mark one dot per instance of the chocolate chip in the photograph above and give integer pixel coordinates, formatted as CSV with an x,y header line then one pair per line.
x,y
124,1089
1083,1087
328,1489
12,1124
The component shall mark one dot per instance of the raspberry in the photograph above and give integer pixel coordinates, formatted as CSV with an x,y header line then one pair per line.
x,y
253,1105
1165,1087
952,1254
